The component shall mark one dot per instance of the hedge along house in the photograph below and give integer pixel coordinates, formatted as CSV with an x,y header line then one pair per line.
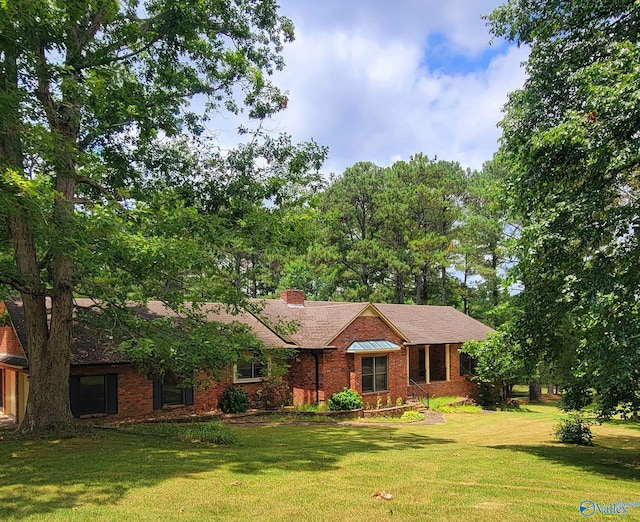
x,y
380,350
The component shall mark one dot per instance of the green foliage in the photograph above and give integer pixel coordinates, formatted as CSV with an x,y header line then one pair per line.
x,y
500,359
309,408
451,405
274,393
347,399
488,395
575,430
5,320
570,144
127,197
234,400
412,416
389,234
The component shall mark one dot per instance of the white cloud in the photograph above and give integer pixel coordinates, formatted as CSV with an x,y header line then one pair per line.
x,y
377,81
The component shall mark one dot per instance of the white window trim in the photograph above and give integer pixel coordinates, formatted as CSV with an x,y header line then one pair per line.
x,y
373,356
246,380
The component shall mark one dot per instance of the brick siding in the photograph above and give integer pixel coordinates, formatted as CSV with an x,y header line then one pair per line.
x,y
135,393
457,386
9,342
341,369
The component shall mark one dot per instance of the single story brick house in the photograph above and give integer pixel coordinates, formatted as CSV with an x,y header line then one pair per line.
x,y
380,350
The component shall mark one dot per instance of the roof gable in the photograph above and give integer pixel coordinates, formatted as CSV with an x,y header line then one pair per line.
x,y
371,310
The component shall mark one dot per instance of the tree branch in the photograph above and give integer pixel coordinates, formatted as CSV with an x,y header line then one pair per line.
x,y
94,184
17,285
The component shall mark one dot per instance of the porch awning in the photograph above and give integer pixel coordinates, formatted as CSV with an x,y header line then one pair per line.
x,y
372,346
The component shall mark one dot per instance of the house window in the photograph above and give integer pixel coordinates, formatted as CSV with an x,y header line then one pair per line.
x,y
250,371
467,364
438,363
170,394
93,394
374,374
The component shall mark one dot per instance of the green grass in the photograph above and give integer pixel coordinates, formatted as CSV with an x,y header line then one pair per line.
x,y
490,466
213,432
448,405
310,408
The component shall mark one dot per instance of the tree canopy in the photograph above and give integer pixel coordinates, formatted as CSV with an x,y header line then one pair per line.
x,y
571,145
109,179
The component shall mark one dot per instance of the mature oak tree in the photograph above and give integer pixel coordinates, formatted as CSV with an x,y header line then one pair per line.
x,y
94,96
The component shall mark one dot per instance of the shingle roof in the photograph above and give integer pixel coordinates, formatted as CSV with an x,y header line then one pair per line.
x,y
318,324
434,324
14,360
89,347
321,321
318,321
217,312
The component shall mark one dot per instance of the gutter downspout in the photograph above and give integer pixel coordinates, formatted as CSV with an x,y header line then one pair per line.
x,y
315,356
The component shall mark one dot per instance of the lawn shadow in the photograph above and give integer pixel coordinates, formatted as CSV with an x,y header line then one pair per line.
x,y
614,457
39,478
322,448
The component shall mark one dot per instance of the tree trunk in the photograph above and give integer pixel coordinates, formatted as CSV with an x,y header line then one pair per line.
x,y
49,359
49,342
495,293
535,391
399,289
443,285
419,284
48,409
421,280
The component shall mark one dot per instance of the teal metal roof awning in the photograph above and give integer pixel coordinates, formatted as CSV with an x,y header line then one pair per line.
x,y
372,346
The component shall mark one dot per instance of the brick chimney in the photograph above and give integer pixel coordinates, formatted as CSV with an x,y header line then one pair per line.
x,y
293,297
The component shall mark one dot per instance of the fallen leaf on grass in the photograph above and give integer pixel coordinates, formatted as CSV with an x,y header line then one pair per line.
x,y
236,483
382,495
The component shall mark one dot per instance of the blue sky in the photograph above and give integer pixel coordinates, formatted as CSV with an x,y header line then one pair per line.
x,y
379,81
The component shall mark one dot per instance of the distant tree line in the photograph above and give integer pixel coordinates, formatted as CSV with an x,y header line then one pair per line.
x,y
422,231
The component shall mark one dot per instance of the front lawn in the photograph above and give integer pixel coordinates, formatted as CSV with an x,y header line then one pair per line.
x,y
488,466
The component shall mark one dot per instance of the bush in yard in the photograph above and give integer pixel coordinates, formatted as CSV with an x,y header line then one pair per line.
x,y
234,400
347,399
488,395
575,430
273,393
412,416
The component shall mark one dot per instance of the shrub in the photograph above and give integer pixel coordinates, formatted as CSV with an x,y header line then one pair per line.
x,y
412,416
274,393
575,430
347,399
488,395
234,400
309,408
